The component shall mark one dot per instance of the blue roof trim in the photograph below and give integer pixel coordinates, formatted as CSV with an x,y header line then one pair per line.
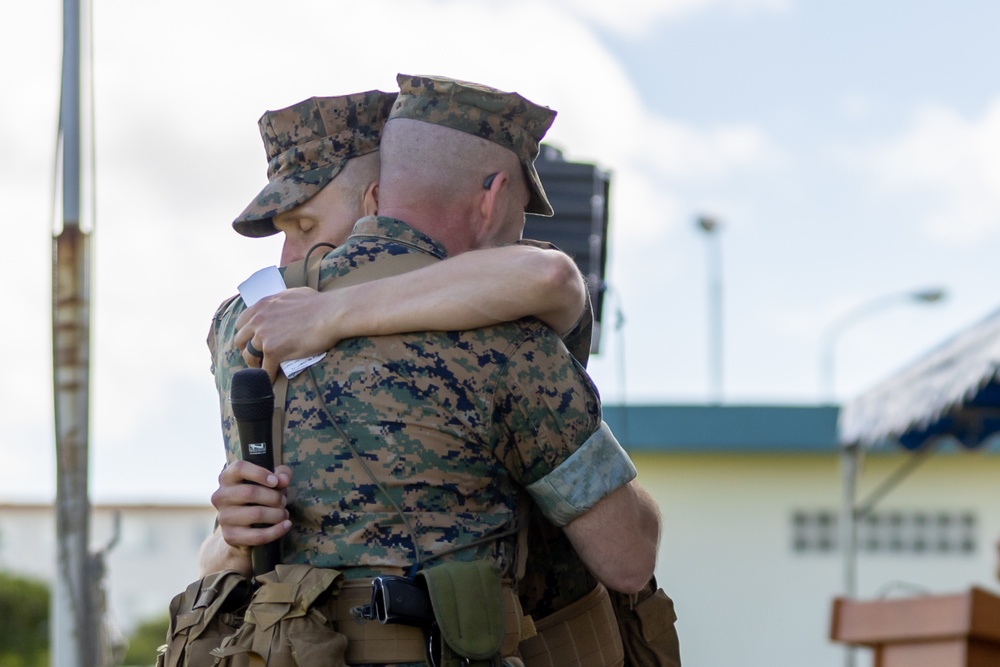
x,y
724,428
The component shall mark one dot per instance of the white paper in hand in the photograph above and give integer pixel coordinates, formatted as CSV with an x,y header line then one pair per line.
x,y
266,282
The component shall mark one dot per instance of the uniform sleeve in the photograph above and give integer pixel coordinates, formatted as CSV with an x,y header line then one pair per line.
x,y
225,361
579,339
590,473
553,441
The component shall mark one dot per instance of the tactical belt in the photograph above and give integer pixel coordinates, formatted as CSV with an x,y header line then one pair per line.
x,y
582,634
372,642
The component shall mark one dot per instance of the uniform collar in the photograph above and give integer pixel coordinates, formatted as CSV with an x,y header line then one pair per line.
x,y
391,229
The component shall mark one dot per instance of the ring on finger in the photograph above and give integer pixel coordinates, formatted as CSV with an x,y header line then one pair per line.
x,y
254,352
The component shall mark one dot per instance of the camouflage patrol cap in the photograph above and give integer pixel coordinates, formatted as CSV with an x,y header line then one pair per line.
x,y
504,118
307,145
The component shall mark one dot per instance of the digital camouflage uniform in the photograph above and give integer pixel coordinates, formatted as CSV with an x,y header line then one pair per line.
x,y
306,145
451,448
451,425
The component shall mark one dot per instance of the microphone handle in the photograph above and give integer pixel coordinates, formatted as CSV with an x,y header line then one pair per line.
x,y
265,557
255,443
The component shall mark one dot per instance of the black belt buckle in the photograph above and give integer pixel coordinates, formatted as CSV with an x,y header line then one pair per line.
x,y
401,600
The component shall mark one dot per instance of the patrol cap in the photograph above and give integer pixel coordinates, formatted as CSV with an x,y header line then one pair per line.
x,y
307,145
504,118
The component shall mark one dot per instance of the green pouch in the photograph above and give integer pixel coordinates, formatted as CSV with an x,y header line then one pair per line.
x,y
467,598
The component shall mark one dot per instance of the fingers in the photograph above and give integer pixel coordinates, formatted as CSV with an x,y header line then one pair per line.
x,y
251,359
243,332
284,475
245,318
238,472
249,494
243,340
237,533
271,366
251,504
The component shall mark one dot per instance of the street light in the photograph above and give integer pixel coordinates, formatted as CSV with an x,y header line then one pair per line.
x,y
850,457
834,330
711,226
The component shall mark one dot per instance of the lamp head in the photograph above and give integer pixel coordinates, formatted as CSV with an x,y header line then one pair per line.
x,y
929,295
707,223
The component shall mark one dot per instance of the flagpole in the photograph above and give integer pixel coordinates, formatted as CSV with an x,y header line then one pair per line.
x,y
74,628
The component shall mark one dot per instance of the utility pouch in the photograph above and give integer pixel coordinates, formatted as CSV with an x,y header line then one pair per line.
x,y
201,617
286,624
467,599
401,600
584,633
647,624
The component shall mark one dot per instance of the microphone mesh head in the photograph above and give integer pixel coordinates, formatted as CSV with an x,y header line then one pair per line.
x,y
251,394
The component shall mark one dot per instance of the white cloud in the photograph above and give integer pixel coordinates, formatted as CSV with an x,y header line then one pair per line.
x,y
179,89
683,153
636,17
955,161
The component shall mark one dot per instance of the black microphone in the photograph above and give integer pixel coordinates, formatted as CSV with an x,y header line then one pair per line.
x,y
252,399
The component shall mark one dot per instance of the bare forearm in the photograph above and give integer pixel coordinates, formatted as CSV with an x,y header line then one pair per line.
x,y
474,289
216,555
618,538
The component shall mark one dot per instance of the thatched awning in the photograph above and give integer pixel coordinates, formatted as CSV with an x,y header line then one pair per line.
x,y
951,391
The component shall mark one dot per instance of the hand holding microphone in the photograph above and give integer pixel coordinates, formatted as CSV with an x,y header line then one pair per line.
x,y
252,399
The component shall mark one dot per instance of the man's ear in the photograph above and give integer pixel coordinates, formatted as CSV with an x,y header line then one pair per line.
x,y
370,203
491,200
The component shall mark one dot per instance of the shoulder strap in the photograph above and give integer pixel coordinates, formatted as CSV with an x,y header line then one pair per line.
x,y
306,273
384,267
297,274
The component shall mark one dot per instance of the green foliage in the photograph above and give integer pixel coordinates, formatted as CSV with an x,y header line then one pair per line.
x,y
142,644
24,617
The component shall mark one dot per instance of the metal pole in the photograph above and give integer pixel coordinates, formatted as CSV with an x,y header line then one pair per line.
x,y
830,335
711,227
849,458
74,627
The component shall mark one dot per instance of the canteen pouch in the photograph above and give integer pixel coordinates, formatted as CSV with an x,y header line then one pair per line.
x,y
647,624
467,599
201,617
286,623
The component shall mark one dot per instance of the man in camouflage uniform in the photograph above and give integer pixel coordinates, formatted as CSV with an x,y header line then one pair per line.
x,y
322,171
370,400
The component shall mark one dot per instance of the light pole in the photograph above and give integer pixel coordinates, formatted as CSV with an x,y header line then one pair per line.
x,y
851,455
711,226
833,331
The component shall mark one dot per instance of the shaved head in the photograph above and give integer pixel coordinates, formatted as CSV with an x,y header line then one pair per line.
x,y
452,165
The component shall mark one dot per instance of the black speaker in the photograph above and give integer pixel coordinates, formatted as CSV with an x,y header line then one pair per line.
x,y
579,194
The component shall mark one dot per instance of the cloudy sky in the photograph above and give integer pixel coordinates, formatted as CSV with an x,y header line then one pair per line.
x,y
849,150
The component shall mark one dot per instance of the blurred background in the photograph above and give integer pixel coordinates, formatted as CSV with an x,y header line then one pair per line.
x,y
804,198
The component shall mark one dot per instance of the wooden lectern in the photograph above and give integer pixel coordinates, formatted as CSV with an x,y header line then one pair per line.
x,y
960,630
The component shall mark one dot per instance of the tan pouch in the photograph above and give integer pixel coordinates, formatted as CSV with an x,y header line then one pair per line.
x,y
201,617
647,625
582,634
284,625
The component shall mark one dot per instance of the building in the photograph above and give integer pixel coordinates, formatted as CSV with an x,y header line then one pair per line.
x,y
151,551
750,497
